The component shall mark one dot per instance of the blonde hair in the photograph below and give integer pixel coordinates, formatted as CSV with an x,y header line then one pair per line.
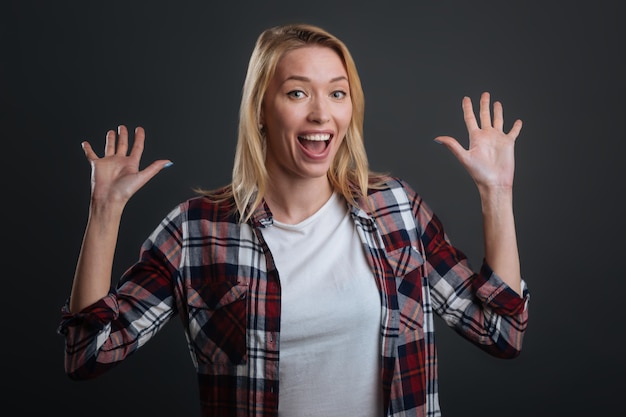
x,y
349,174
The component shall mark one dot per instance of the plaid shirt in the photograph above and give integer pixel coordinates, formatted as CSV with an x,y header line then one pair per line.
x,y
219,277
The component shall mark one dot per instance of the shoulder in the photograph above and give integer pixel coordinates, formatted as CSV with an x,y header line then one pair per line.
x,y
390,191
205,207
396,209
215,205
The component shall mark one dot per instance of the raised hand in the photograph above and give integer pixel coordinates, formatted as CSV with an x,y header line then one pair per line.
x,y
489,159
116,176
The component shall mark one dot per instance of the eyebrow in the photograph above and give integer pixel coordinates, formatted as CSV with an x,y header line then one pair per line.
x,y
302,78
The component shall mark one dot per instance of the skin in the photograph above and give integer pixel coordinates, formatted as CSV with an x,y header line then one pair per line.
x,y
308,94
490,161
114,179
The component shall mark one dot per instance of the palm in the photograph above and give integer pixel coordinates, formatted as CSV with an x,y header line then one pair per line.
x,y
489,158
116,176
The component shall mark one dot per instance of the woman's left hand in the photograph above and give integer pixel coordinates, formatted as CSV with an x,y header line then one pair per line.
x,y
490,159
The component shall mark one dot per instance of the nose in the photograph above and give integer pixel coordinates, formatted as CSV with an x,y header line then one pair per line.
x,y
319,111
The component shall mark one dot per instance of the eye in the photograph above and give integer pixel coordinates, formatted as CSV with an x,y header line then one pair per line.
x,y
338,94
296,94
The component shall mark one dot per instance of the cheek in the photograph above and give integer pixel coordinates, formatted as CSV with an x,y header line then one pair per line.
x,y
346,116
345,122
284,122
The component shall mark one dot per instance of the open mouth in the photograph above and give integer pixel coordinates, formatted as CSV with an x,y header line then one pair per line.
x,y
315,143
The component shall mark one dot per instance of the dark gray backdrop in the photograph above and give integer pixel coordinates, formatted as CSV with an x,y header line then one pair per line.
x,y
71,70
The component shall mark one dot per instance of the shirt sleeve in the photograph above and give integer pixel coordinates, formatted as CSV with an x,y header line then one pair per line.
x,y
102,335
479,305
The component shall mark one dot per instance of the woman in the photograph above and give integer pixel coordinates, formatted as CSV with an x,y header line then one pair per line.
x,y
307,286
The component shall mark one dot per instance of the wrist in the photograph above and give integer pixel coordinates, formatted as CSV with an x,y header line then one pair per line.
x,y
496,197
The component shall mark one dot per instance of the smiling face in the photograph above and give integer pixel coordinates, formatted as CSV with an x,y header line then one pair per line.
x,y
306,112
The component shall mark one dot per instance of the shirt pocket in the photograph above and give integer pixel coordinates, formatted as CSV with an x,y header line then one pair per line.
x,y
406,264
217,322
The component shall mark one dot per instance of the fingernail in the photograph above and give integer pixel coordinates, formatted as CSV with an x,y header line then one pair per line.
x,y
168,164
437,140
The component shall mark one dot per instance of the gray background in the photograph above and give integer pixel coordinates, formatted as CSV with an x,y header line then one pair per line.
x,y
71,70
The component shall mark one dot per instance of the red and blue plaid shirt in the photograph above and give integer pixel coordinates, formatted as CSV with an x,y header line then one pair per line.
x,y
219,277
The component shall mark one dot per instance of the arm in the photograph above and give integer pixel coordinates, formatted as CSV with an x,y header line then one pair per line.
x,y
490,162
114,179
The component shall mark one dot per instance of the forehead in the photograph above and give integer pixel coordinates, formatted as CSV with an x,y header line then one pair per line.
x,y
314,59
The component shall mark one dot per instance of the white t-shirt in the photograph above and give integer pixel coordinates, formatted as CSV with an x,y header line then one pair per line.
x,y
330,317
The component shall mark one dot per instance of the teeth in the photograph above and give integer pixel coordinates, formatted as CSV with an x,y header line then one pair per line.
x,y
317,137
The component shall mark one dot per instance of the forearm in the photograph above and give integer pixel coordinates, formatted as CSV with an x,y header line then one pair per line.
x,y
501,251
92,279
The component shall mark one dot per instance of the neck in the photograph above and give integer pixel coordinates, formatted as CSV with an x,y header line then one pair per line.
x,y
293,202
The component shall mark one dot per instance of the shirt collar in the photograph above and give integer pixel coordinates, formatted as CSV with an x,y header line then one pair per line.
x,y
262,215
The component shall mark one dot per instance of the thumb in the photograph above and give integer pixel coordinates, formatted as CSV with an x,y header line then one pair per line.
x,y
453,146
154,168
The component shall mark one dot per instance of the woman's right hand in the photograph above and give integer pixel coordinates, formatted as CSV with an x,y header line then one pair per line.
x,y
116,176
114,179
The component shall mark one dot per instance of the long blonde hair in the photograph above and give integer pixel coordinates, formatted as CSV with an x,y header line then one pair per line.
x,y
349,174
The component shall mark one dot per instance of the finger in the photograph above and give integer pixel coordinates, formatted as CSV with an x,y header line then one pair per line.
x,y
122,140
89,153
468,114
151,170
109,143
138,142
498,116
485,114
515,130
453,146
